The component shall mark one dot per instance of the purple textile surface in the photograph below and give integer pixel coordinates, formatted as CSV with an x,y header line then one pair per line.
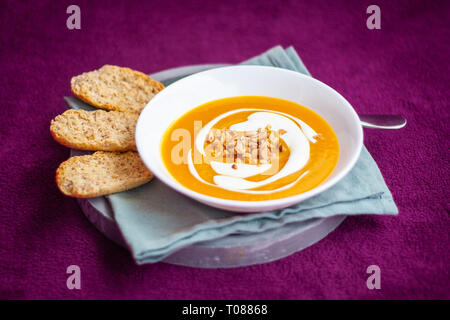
x,y
402,68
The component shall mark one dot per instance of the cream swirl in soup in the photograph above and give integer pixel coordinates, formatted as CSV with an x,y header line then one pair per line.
x,y
296,133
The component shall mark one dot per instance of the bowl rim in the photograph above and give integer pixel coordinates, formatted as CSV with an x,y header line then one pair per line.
x,y
253,205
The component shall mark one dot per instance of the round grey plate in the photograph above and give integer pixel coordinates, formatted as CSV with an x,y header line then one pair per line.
x,y
231,251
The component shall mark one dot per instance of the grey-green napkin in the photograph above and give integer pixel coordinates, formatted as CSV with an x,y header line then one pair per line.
x,y
156,221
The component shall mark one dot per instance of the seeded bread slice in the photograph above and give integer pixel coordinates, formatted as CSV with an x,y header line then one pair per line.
x,y
101,173
95,130
115,88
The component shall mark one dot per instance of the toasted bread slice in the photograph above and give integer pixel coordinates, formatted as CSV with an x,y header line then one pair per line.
x,y
95,130
115,88
101,173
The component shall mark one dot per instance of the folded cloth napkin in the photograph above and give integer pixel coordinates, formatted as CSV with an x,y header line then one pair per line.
x,y
156,221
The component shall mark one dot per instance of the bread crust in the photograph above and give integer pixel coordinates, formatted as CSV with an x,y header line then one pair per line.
x,y
95,130
101,173
115,88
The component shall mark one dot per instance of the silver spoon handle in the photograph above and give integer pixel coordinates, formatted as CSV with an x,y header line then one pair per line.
x,y
382,121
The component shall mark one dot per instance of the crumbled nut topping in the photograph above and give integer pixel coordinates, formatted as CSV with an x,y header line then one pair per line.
x,y
253,147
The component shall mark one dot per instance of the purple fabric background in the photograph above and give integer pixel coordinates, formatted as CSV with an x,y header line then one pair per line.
x,y
402,68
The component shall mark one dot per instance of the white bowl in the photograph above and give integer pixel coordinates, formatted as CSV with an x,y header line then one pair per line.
x,y
192,91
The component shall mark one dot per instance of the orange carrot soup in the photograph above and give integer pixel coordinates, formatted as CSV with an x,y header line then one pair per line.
x,y
250,148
